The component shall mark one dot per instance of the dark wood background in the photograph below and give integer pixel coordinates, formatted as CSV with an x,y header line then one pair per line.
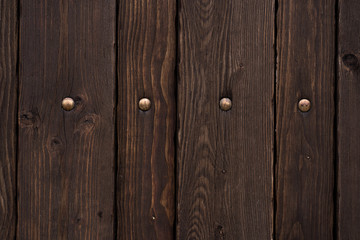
x,y
185,169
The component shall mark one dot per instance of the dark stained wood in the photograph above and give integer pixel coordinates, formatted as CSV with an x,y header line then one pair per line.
x,y
8,116
146,64
305,161
225,159
66,159
348,121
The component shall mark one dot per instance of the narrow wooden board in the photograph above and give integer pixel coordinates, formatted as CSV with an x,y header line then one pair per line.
x,y
146,65
8,116
225,159
305,152
66,159
348,121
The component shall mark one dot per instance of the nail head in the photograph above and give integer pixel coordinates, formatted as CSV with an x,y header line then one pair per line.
x,y
144,104
225,104
68,104
304,105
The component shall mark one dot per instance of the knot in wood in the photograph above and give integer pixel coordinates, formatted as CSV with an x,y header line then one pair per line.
x,y
351,61
29,119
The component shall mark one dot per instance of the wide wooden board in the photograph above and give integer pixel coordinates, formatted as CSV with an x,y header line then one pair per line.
x,y
66,159
225,159
305,142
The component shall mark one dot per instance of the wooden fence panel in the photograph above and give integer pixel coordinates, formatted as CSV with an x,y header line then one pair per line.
x,y
348,121
225,158
146,65
305,161
66,158
8,116
106,169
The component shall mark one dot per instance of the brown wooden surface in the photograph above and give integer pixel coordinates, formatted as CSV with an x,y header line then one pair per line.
x,y
348,121
225,159
66,159
146,65
8,116
305,161
62,176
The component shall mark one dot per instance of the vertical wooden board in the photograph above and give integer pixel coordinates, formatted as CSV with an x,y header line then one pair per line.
x,y
305,162
225,159
348,121
66,159
8,116
146,65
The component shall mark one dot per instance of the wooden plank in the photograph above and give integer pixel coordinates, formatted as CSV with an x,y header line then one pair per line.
x,y
66,159
348,121
8,116
305,162
225,159
145,182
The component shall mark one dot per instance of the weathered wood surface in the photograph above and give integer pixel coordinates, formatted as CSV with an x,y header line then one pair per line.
x,y
305,153
225,159
348,121
66,159
146,65
62,176
8,116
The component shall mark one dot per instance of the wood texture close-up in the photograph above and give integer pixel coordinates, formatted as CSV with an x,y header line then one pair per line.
x,y
66,158
305,141
225,158
146,67
180,119
348,121
8,116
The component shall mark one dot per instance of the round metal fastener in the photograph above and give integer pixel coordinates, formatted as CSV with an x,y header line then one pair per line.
x,y
225,104
68,104
144,104
304,105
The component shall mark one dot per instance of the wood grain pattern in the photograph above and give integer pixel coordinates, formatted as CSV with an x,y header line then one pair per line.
x,y
66,159
348,121
225,159
305,162
8,116
146,65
